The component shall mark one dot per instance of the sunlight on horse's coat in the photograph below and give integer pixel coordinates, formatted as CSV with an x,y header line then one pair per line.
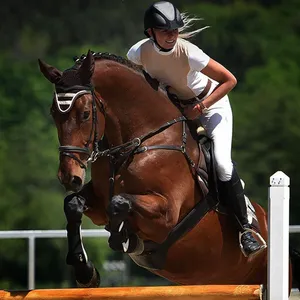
x,y
144,178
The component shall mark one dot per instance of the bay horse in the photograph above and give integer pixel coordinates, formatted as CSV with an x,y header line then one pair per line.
x,y
143,189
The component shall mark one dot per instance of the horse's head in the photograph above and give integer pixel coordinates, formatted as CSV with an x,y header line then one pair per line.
x,y
78,116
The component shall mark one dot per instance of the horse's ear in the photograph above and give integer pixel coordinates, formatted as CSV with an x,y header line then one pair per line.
x,y
86,69
51,73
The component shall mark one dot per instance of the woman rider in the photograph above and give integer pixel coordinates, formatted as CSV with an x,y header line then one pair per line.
x,y
194,77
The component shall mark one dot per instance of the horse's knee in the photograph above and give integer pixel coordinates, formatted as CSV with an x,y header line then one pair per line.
x,y
74,206
120,206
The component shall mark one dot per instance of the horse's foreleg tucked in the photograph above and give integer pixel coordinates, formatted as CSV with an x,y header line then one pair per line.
x,y
149,215
122,236
85,272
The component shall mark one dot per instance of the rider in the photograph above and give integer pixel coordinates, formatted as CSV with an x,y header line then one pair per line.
x,y
203,84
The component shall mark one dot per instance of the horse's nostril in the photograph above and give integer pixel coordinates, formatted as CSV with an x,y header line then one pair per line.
x,y
76,182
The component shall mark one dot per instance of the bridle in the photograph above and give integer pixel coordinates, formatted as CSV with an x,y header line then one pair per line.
x,y
64,101
119,154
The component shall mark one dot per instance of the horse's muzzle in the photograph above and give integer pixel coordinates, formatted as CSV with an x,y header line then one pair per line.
x,y
72,183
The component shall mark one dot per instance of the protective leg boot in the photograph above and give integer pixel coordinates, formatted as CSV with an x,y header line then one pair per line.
x,y
233,193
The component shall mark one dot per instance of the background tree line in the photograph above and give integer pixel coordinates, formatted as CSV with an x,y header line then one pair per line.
x,y
257,40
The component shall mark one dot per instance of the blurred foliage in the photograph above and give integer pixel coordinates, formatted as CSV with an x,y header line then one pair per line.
x,y
257,40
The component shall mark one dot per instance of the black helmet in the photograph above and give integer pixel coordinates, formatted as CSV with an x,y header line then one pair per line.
x,y
162,15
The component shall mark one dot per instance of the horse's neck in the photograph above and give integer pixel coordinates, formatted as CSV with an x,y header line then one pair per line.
x,y
133,107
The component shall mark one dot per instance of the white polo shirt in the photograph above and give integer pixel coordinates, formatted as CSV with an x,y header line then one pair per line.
x,y
179,68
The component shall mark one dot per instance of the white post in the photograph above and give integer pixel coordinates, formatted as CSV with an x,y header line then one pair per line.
x,y
31,263
278,238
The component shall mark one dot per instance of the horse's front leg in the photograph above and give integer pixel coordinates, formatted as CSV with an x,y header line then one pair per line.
x,y
152,216
85,272
118,212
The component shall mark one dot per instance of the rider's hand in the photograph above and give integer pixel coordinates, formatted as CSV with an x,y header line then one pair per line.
x,y
192,111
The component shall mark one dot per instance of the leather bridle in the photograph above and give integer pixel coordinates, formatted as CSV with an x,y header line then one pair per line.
x,y
64,101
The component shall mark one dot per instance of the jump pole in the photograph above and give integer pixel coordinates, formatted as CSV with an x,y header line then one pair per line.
x,y
205,292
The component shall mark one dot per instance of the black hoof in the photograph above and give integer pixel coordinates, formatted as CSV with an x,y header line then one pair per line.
x,y
87,276
115,241
132,244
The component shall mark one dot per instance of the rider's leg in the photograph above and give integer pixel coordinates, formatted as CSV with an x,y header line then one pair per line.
x,y
233,193
218,125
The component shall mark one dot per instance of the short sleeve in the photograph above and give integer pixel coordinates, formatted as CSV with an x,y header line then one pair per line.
x,y
134,53
198,60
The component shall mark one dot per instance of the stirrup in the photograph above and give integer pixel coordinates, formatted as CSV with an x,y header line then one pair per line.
x,y
263,244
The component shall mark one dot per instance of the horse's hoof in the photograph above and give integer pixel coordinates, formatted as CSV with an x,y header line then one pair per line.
x,y
133,245
87,276
115,241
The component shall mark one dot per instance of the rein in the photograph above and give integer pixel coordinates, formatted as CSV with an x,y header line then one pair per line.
x,y
133,147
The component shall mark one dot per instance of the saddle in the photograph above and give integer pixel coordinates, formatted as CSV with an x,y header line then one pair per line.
x,y
207,147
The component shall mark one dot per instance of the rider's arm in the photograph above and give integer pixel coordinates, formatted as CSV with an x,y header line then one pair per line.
x,y
201,62
226,80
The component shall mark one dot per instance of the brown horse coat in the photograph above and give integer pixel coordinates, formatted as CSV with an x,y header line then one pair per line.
x,y
160,183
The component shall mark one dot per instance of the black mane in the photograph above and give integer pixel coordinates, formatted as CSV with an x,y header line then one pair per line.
x,y
71,77
108,56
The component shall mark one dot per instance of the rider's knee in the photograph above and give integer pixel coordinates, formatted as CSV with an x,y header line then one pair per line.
x,y
224,171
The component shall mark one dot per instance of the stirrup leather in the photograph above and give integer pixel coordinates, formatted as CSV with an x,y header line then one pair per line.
x,y
260,238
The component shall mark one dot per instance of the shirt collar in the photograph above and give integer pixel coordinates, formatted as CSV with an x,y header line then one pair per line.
x,y
162,52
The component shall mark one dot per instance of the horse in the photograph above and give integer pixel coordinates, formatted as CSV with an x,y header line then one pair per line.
x,y
145,163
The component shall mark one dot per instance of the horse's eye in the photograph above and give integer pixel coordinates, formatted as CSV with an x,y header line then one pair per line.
x,y
86,115
52,111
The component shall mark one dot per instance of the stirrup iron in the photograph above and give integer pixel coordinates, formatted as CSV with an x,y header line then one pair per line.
x,y
263,244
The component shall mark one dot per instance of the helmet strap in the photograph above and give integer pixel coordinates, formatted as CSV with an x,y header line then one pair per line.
x,y
147,34
157,44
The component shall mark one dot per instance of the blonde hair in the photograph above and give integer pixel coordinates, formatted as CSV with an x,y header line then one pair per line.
x,y
188,22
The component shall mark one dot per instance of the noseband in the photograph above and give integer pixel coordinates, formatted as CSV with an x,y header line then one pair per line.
x,y
64,101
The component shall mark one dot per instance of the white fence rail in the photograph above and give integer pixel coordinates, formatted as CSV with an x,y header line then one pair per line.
x,y
31,235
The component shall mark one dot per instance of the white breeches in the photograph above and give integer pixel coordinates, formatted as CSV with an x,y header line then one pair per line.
x,y
218,125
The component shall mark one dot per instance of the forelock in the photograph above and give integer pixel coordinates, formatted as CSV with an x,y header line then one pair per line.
x,y
70,77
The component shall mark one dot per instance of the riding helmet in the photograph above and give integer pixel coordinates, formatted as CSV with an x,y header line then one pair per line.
x,y
162,15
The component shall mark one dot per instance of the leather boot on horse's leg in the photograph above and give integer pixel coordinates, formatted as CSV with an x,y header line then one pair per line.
x,y
85,272
234,195
122,238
